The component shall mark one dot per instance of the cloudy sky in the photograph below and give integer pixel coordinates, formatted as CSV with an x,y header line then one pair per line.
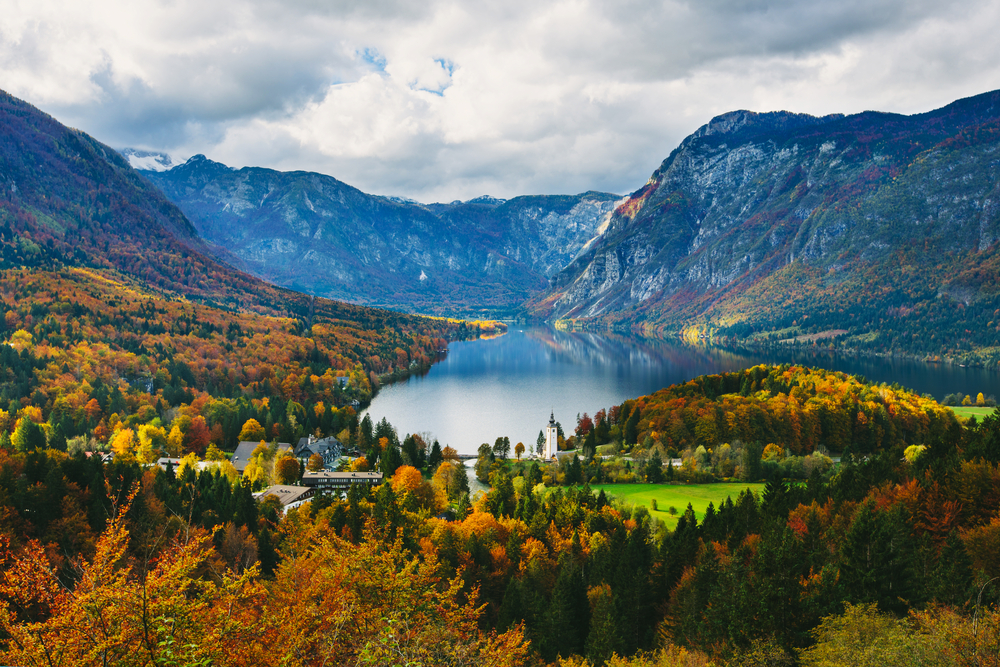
x,y
445,99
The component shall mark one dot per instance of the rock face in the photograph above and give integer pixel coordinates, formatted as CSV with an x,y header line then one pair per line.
x,y
757,220
316,234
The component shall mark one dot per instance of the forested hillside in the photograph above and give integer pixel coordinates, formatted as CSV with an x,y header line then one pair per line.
x,y
876,228
113,315
897,541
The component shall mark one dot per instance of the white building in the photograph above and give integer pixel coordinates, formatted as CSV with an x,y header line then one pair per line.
x,y
551,438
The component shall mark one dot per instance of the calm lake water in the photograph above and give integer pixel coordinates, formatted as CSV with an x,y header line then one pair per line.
x,y
507,386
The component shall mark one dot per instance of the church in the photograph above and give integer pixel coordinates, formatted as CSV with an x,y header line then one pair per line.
x,y
551,438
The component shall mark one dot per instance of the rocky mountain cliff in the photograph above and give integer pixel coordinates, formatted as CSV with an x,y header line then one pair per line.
x,y
313,233
882,225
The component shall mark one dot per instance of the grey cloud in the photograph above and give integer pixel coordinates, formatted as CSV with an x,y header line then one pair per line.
x,y
204,93
539,97
649,41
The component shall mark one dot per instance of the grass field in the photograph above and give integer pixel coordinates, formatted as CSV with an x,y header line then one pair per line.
x,y
966,411
676,495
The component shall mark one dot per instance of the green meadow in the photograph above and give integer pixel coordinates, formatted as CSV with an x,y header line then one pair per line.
x,y
677,496
966,411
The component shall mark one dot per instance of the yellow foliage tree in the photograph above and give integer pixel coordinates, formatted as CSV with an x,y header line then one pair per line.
x,y
33,412
145,454
21,340
252,431
865,636
447,477
175,441
189,461
259,468
155,437
773,452
124,443
213,453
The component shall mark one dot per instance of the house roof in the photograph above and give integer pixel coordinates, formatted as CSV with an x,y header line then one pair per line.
x,y
307,446
243,451
286,494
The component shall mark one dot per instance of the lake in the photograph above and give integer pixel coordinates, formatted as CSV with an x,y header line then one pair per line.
x,y
507,386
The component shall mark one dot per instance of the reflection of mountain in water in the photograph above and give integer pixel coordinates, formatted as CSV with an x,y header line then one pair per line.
x,y
613,349
510,385
680,361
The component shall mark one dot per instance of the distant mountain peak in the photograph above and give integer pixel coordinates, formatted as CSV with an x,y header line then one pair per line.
x,y
737,122
759,222
488,200
403,200
200,160
147,160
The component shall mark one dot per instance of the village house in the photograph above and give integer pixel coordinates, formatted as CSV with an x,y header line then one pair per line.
x,y
329,449
289,496
325,480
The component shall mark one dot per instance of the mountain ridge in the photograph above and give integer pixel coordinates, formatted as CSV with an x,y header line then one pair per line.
x,y
758,221
320,235
99,269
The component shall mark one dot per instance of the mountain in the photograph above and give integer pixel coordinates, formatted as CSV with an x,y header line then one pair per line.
x,y
104,282
779,225
67,199
147,160
313,233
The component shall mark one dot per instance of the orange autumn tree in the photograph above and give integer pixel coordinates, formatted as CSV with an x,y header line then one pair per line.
x,y
373,603
406,478
119,612
333,603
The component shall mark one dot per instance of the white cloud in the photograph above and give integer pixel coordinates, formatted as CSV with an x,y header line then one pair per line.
x,y
446,99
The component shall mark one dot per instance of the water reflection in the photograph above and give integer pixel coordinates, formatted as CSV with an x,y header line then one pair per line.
x,y
507,386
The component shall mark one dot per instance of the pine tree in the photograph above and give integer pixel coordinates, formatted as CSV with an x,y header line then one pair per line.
x,y
603,638
631,433
877,555
654,468
390,460
435,457
564,624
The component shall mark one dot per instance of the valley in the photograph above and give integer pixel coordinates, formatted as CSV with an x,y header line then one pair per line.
x,y
317,235
877,232
723,505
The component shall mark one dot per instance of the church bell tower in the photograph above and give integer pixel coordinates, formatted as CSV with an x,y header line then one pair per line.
x,y
551,438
